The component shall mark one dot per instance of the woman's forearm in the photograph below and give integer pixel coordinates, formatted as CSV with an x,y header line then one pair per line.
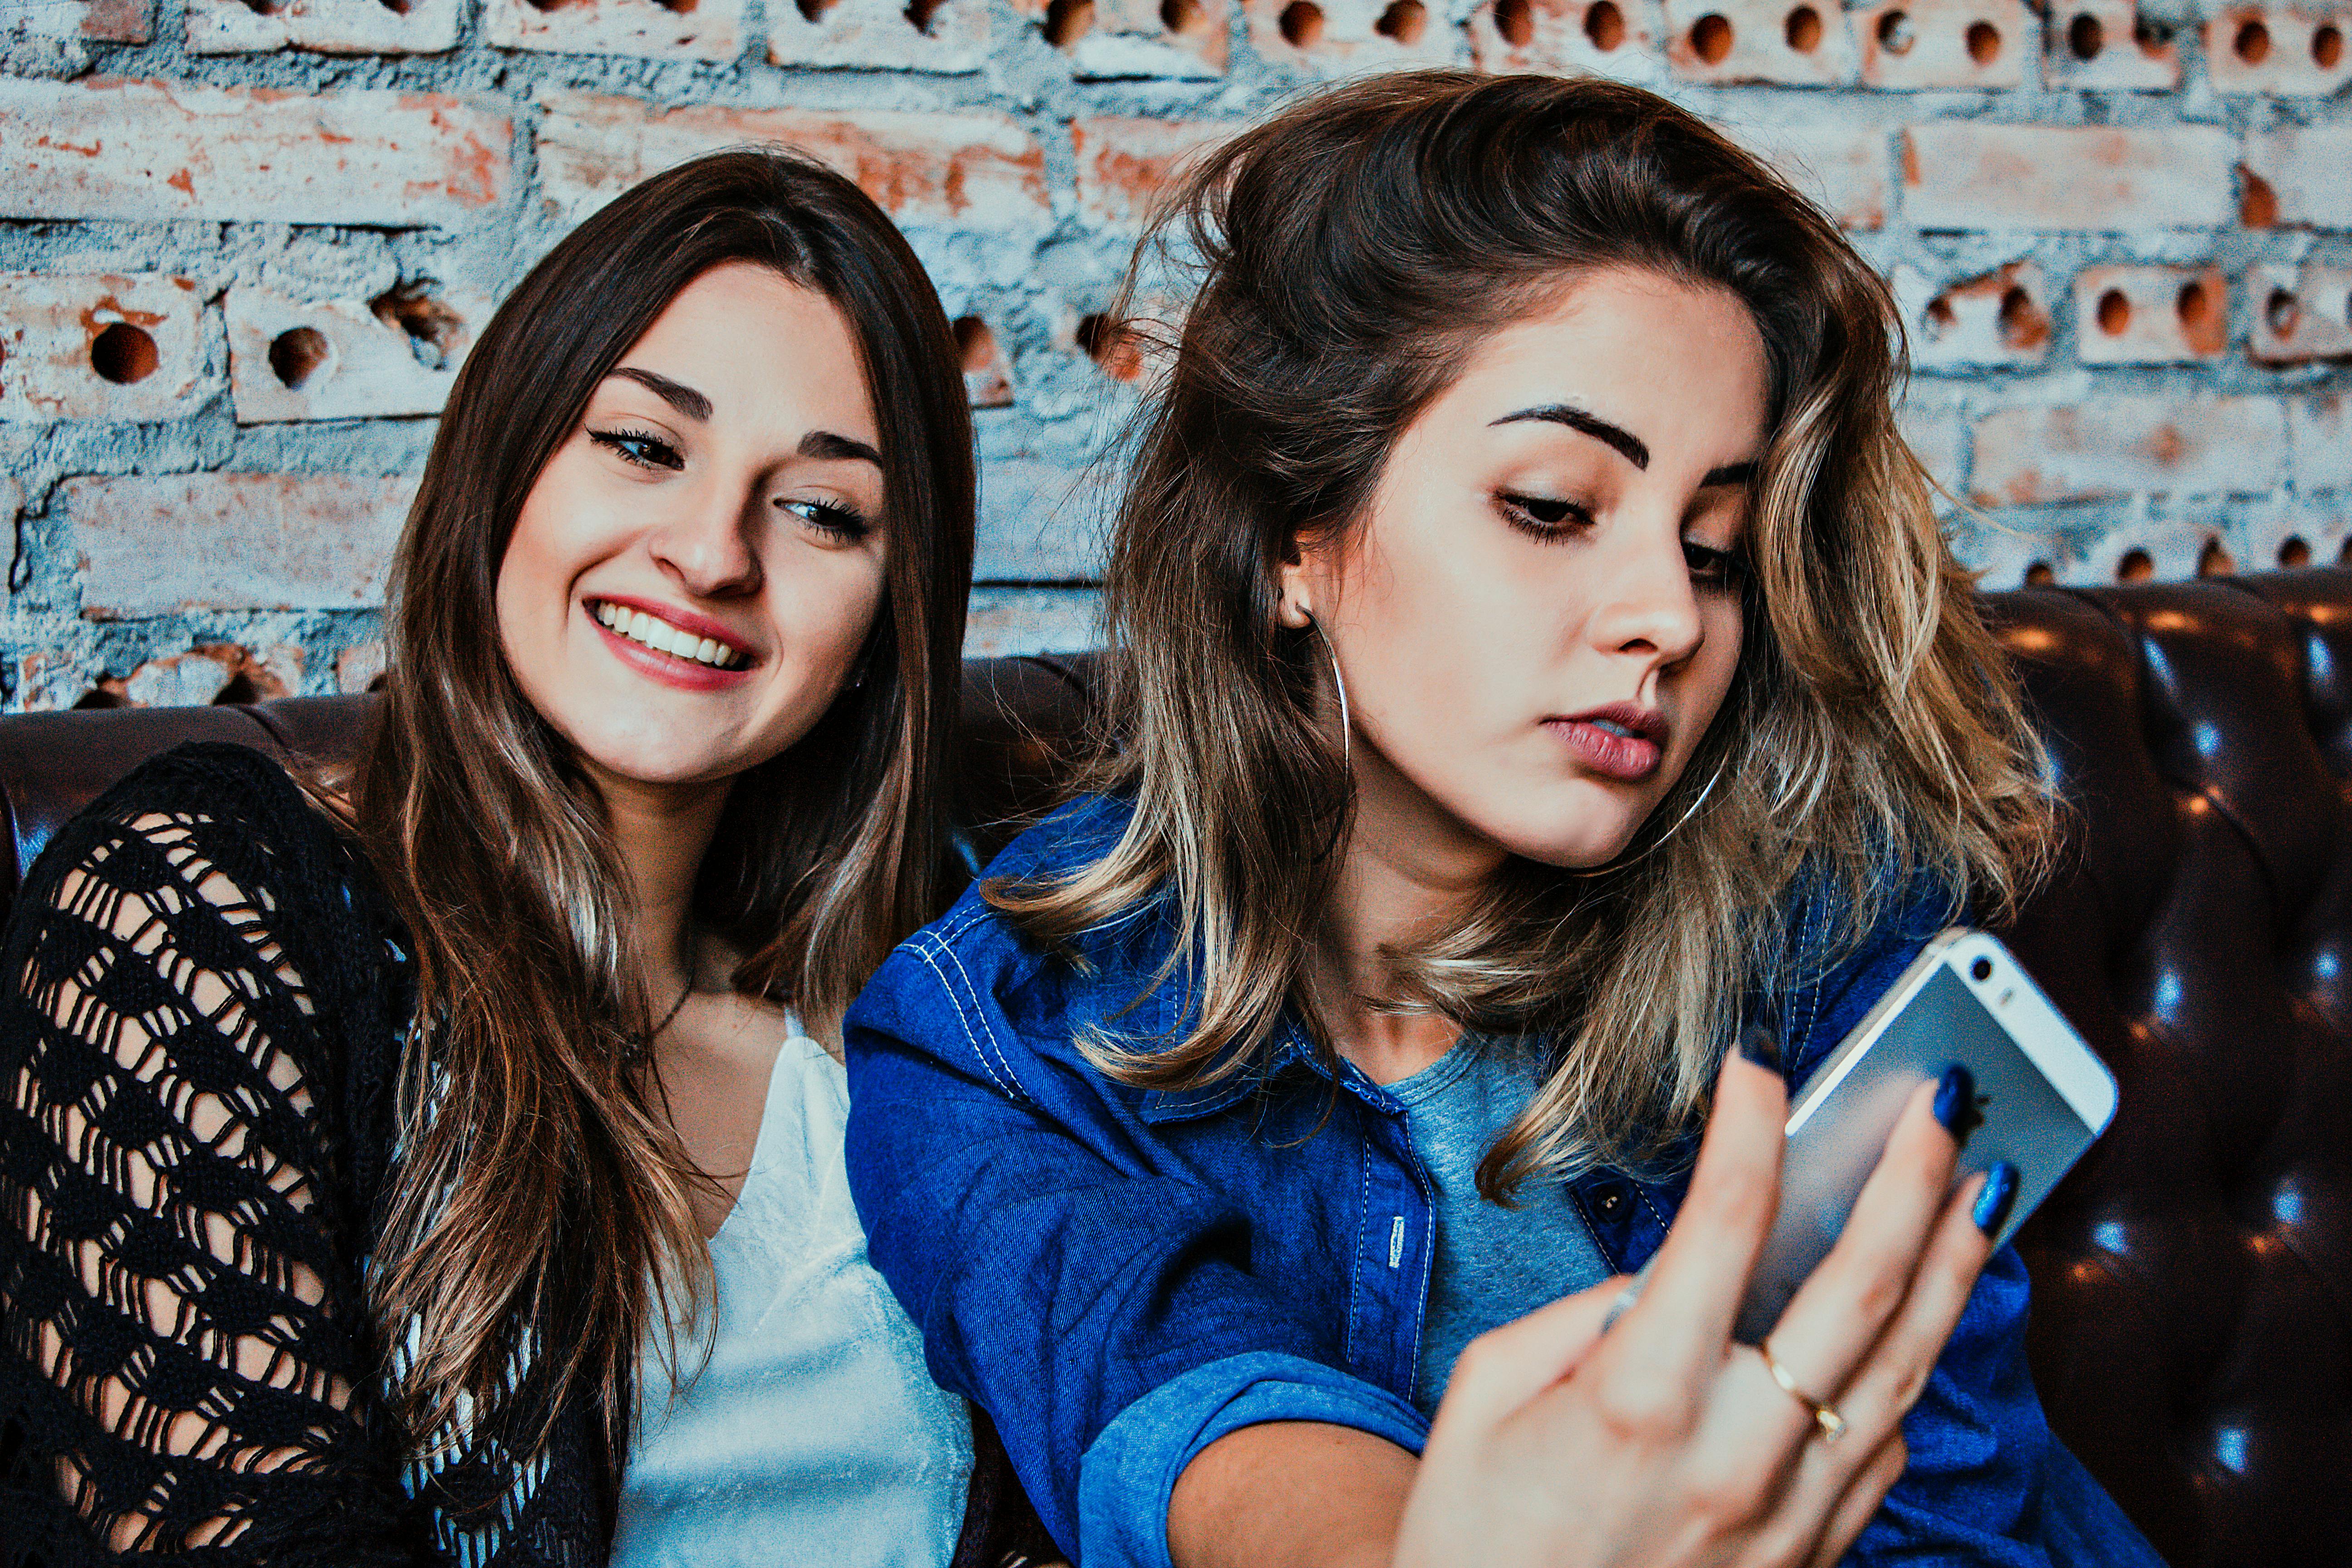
x,y
1290,1494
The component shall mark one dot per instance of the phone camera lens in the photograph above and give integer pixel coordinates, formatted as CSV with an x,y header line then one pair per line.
x,y
1981,969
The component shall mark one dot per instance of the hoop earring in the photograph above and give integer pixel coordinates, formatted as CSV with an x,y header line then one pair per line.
x,y
1338,680
1660,842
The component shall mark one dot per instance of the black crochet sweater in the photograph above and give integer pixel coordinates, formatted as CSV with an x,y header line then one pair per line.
x,y
199,1031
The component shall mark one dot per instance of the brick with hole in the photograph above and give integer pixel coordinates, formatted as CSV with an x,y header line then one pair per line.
x,y
1347,36
1959,174
326,26
1792,43
1115,39
2300,314
2151,315
2129,445
657,29
1124,165
2108,46
235,542
1607,37
1912,43
359,667
1999,319
128,349
973,170
1838,165
987,382
390,357
2286,50
2319,429
943,37
144,151
2298,177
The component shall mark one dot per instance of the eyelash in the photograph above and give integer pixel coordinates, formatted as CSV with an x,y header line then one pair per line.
x,y
621,444
1529,514
644,449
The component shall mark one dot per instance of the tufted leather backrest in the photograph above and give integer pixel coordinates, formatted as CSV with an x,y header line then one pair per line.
x,y
2192,1327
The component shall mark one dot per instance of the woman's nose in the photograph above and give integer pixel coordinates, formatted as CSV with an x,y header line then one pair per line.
x,y
708,548
1646,604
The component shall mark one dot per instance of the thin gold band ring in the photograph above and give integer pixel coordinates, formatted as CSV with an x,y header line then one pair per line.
x,y
1826,1418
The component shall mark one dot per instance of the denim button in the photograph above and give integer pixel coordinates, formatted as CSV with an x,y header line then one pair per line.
x,y
1611,1200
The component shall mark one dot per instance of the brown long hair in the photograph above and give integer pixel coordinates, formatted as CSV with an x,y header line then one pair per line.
x,y
538,1213
1349,255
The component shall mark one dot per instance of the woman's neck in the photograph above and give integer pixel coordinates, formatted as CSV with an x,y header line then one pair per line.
x,y
661,832
1407,871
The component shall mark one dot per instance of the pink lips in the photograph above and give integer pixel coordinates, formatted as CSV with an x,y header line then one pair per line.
x,y
1626,758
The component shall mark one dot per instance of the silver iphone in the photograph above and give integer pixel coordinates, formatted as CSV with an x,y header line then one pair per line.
x,y
2042,1096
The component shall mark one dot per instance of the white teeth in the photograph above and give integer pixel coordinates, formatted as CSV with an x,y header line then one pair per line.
x,y
1613,728
654,633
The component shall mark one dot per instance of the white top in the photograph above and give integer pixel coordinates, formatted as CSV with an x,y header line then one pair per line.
x,y
814,1434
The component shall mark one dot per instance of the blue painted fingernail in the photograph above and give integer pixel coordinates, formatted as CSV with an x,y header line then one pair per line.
x,y
1759,1045
1994,1202
1955,1101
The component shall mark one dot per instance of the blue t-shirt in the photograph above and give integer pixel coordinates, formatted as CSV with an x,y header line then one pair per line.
x,y
1492,1264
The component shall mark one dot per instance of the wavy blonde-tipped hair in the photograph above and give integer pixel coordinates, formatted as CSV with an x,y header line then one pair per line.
x,y
1349,255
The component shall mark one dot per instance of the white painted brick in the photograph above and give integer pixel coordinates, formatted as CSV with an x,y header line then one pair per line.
x,y
93,21
2004,556
2151,315
234,541
2001,318
2320,431
1039,521
2127,445
974,171
1605,38
1840,166
359,668
2104,46
1963,175
1945,43
2305,174
328,26
49,679
1794,43
1938,438
144,151
359,365
692,29
2300,314
105,347
2286,51
1125,164
1005,623
952,37
1107,39
1339,36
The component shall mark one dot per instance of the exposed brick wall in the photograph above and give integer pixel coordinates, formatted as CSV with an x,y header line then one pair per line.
x,y
243,245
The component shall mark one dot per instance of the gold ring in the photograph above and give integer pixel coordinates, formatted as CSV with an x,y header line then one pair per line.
x,y
1832,1424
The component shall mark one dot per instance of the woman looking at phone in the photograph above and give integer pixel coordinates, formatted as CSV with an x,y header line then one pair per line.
x,y
1535,657
383,1163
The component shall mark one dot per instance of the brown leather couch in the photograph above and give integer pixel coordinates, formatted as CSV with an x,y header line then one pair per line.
x,y
2192,1329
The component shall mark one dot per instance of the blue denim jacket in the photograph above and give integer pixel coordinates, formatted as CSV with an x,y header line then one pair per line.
x,y
1121,1276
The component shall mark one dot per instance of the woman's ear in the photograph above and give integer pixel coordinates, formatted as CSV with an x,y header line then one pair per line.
x,y
1296,610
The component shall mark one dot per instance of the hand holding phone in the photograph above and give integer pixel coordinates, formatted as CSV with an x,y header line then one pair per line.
x,y
2040,1098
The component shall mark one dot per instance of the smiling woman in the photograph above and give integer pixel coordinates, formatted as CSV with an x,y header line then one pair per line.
x,y
441,1162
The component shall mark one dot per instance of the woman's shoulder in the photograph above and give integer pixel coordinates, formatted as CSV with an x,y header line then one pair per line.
x,y
976,950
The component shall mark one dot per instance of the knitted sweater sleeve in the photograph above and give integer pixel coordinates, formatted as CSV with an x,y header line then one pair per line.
x,y
181,1318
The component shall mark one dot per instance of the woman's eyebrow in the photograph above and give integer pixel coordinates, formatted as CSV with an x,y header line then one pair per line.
x,y
1635,449
683,398
1730,474
826,445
